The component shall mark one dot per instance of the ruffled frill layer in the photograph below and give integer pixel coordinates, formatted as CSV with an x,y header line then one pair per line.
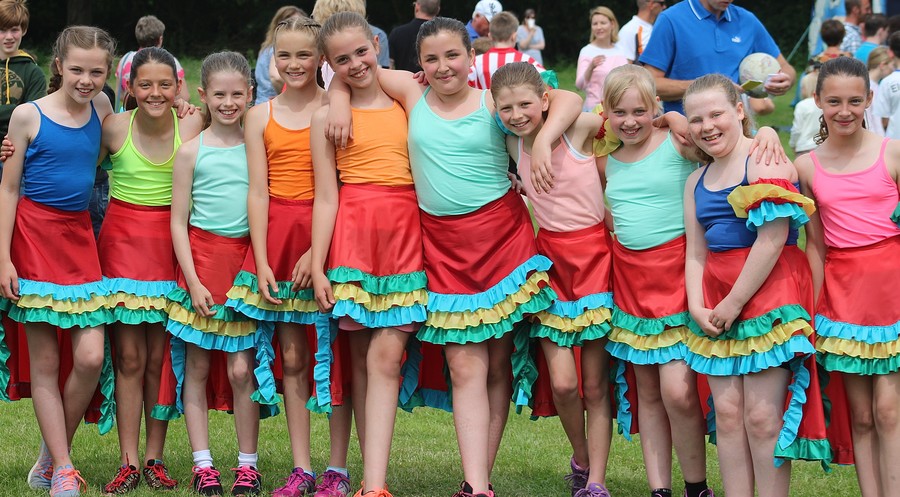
x,y
225,322
647,326
410,395
373,310
571,323
857,349
64,306
662,348
326,334
764,195
895,217
379,285
296,307
135,302
769,211
4,364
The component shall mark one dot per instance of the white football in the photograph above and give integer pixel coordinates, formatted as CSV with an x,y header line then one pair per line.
x,y
754,70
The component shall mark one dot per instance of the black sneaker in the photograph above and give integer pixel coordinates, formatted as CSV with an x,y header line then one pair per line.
x,y
247,481
205,481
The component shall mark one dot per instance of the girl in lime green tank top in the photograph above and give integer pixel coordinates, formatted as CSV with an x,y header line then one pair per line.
x,y
136,256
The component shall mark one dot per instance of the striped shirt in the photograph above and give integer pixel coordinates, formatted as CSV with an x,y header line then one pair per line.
x,y
486,65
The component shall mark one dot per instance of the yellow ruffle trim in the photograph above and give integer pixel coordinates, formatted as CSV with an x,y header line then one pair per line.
x,y
753,345
134,302
378,303
496,314
861,350
668,338
257,300
207,325
574,325
61,306
744,196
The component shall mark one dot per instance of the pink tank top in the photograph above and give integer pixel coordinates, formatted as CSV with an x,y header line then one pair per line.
x,y
856,207
576,200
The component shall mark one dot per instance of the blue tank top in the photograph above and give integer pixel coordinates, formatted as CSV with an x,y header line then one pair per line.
x,y
724,230
61,162
458,165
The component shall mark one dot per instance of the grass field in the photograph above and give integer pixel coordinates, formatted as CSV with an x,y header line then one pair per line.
x,y
533,459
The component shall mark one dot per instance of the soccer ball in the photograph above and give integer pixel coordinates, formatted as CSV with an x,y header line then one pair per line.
x,y
754,70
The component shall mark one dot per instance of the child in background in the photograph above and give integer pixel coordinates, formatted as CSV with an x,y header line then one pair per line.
x,y
482,44
136,256
503,35
149,32
806,117
22,80
573,236
852,246
210,235
267,84
881,65
886,105
748,292
273,285
369,231
832,33
48,280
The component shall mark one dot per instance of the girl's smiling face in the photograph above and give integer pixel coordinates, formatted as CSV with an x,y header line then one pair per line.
x,y
715,123
296,58
353,55
631,118
155,88
446,62
521,109
843,100
226,96
83,72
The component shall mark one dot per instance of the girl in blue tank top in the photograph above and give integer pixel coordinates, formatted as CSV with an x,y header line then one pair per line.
x,y
478,239
47,248
749,293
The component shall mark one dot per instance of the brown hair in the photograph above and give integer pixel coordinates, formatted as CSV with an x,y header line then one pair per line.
x,y
223,62
841,66
503,26
438,24
607,13
14,13
832,32
339,22
720,83
85,37
148,31
281,15
517,74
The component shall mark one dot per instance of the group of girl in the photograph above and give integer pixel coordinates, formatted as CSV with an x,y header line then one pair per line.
x,y
397,232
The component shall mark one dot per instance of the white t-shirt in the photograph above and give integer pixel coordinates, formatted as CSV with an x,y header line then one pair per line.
x,y
887,103
628,37
873,123
805,126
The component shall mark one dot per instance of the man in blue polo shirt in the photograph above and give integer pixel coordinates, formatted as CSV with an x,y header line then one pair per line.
x,y
697,37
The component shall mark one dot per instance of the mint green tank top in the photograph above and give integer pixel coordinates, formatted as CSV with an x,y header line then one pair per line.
x,y
646,197
458,165
219,192
137,180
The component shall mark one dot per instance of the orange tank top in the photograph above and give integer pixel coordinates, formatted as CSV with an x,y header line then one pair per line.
x,y
290,161
378,154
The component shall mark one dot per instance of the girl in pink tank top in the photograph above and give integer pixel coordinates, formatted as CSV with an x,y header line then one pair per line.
x,y
852,246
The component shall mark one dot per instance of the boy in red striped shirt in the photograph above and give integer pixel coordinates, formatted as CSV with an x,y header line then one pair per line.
x,y
503,33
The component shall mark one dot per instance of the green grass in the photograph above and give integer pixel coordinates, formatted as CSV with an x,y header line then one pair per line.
x,y
532,461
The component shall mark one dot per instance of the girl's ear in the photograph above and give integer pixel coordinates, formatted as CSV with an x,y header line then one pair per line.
x,y
178,85
816,99
545,101
740,110
202,94
58,65
321,60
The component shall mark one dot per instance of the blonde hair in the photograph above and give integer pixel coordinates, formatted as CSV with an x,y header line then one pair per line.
x,y
482,44
148,31
607,13
878,55
323,9
300,24
623,78
516,74
339,22
281,15
222,62
808,84
719,82
84,37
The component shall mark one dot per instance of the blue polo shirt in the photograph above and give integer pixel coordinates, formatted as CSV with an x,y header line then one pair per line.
x,y
688,42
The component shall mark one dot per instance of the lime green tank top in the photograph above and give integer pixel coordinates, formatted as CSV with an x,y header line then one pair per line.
x,y
137,180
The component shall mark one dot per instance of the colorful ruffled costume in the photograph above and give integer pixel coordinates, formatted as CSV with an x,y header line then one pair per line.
x,y
773,328
55,256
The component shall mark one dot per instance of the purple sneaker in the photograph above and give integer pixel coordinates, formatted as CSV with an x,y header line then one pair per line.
x,y
297,484
578,478
593,490
333,484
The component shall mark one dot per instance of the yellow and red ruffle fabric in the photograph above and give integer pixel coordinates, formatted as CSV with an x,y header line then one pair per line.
x,y
768,199
138,261
216,260
288,237
376,262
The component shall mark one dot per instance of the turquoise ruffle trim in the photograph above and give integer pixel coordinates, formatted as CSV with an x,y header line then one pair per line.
x,y
486,331
524,367
895,217
574,309
768,211
827,328
624,416
139,287
62,320
573,338
284,291
664,355
211,341
266,393
326,334
804,449
758,326
4,366
395,316
741,365
84,291
379,285
856,365
265,315
107,390
410,395
429,398
794,412
443,302
648,326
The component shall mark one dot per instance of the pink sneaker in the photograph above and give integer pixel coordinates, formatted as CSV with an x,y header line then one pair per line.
x,y
333,484
297,484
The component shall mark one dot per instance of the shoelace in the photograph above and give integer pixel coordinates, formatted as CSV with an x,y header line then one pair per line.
x,y
330,479
245,476
160,471
296,478
577,480
121,476
68,479
208,477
